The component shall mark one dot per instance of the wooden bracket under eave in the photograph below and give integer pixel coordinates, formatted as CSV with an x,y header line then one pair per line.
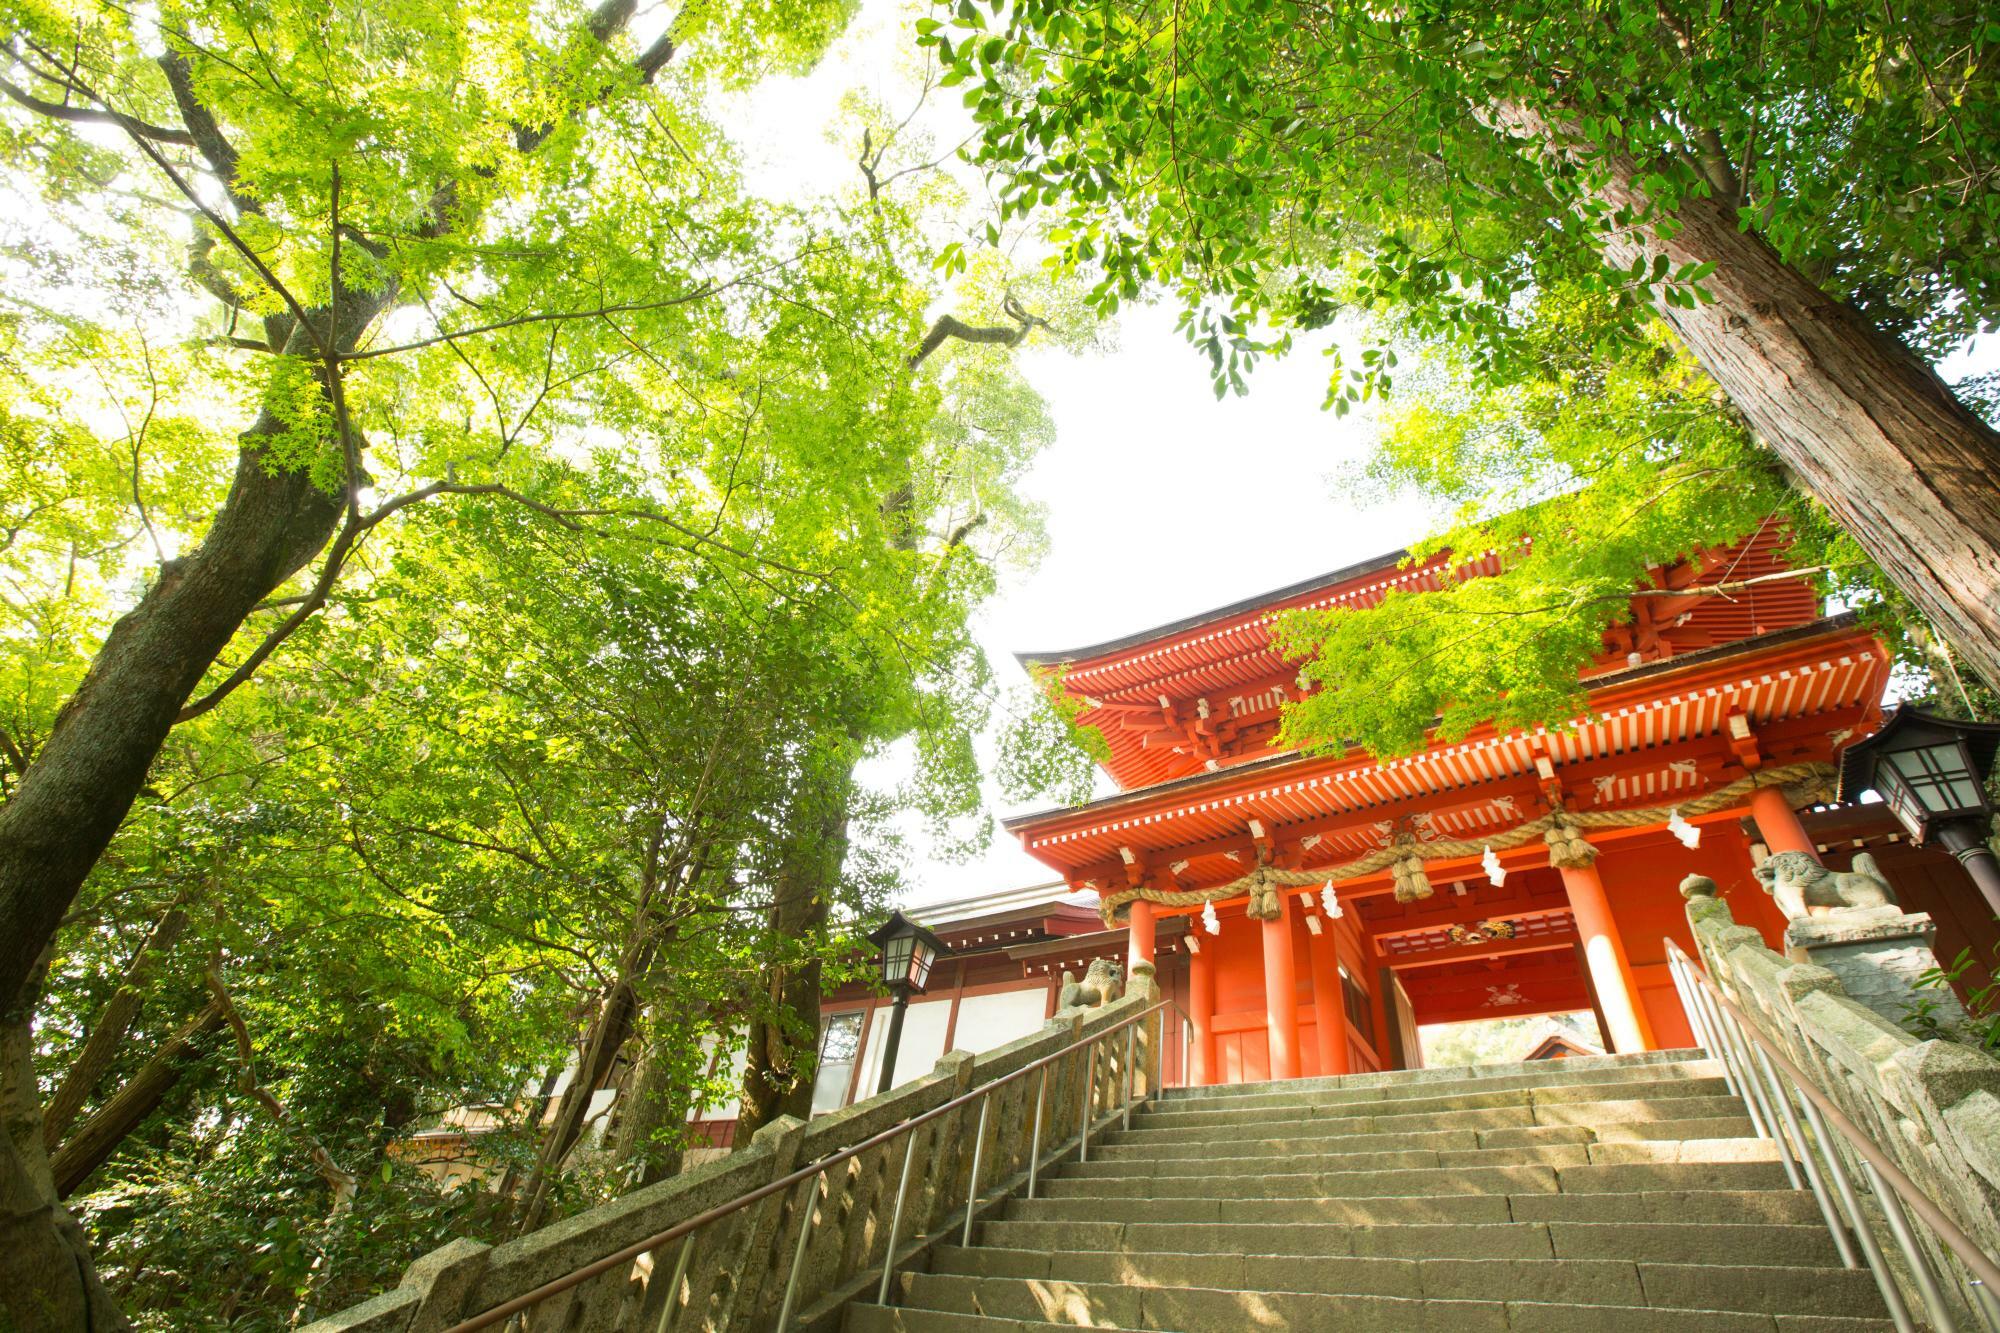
x,y
1743,740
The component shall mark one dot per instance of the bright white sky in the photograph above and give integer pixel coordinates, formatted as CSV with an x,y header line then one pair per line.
x,y
1162,501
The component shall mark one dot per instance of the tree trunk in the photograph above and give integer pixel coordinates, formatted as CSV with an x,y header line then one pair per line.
x,y
784,1037
608,1033
107,1034
72,799
1873,433
653,1108
77,791
111,1124
46,1278
1902,465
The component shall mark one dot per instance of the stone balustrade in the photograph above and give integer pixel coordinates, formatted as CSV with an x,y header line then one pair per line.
x,y
1933,1106
737,1266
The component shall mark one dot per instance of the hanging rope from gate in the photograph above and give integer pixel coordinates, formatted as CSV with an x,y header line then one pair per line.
x,y
1563,829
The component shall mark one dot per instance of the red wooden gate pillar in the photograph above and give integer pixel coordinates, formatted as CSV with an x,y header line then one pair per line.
x,y
1201,1014
1329,1004
1139,935
1281,985
1779,823
1604,953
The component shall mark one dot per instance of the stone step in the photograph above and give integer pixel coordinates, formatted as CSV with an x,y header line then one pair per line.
x,y
1397,1118
1787,1206
1754,1244
1111,1157
1624,1193
1306,1185
1351,1091
1619,1177
1531,1107
1381,1211
1393,1315
1086,1290
862,1318
1179,1114
1554,1071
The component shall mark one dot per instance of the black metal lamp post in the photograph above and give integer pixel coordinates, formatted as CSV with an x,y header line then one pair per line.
x,y
1931,771
908,950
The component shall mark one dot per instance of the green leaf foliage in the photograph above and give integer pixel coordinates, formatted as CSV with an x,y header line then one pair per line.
x,y
1438,174
1270,164
661,515
1584,481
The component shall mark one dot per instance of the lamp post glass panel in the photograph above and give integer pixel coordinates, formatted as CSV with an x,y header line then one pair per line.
x,y
1931,772
1930,784
908,951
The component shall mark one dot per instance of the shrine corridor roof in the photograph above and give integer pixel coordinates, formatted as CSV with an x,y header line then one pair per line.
x,y
1205,692
1653,730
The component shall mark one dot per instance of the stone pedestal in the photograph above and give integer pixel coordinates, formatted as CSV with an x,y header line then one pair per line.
x,y
1878,954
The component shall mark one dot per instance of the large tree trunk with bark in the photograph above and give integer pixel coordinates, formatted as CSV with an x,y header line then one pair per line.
x,y
1868,428
77,791
1872,432
73,797
46,1277
783,1038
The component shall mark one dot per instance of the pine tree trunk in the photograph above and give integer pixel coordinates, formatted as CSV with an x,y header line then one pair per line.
x,y
1900,463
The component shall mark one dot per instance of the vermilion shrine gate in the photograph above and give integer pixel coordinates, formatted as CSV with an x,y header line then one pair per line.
x,y
1709,713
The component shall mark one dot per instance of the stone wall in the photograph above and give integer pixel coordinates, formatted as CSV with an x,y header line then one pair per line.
x,y
1932,1106
737,1266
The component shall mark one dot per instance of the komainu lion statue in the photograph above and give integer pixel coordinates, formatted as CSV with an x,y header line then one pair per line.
x,y
1802,886
1101,984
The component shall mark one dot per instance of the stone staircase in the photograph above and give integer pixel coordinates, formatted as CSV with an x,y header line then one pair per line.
x,y
1622,1192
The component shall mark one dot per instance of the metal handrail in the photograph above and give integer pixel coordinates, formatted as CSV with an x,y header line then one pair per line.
x,y
815,1170
1734,1038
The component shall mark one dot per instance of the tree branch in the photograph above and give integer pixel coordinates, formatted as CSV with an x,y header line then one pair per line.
x,y
547,317
339,1182
950,327
358,525
608,18
1729,589
570,519
205,133
87,116
11,752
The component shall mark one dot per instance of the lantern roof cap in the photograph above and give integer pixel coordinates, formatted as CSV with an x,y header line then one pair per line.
x,y
898,924
1907,727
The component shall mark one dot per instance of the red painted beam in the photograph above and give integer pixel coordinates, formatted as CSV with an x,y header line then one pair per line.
x,y
1490,949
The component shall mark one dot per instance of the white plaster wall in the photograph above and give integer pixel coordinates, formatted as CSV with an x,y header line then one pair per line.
x,y
987,1021
923,1043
